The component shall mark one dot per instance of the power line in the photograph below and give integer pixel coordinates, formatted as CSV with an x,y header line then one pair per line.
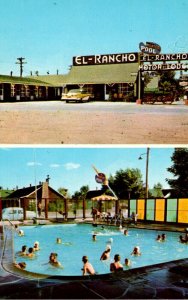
x,y
21,63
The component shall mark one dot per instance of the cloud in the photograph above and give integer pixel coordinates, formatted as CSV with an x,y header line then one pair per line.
x,y
33,163
71,166
54,165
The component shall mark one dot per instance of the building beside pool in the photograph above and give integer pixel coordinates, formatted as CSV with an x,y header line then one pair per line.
x,y
41,197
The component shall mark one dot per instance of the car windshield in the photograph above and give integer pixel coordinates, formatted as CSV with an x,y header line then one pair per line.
x,y
77,91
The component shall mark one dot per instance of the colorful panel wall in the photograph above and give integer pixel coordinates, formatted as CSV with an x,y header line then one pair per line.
x,y
161,210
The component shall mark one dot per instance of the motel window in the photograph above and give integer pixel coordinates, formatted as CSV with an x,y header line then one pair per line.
x,y
22,91
13,92
125,88
1,89
27,91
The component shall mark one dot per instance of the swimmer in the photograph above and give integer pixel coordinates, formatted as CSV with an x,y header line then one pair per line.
x,y
94,237
163,237
183,239
23,251
116,265
127,262
53,260
21,232
136,251
158,239
125,232
20,265
30,252
106,254
87,267
110,241
58,241
36,246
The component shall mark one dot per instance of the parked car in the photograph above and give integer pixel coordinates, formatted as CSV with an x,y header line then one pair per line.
x,y
16,213
77,95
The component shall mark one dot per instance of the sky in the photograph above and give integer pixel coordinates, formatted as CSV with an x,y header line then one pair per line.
x,y
71,168
48,33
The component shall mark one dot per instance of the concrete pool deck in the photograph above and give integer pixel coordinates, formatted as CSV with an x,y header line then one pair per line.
x,y
161,281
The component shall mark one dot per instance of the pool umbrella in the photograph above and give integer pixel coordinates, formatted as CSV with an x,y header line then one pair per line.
x,y
104,198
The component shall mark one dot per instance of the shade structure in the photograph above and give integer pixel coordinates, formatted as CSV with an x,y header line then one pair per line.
x,y
104,198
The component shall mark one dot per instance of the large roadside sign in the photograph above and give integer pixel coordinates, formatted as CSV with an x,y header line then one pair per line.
x,y
149,48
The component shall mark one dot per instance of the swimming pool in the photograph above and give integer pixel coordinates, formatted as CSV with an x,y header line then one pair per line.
x,y
77,241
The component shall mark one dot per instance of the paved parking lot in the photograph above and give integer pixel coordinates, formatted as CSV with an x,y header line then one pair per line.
x,y
56,122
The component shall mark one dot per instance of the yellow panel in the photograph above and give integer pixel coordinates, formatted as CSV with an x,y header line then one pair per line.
x,y
183,211
140,208
141,214
183,204
141,203
160,206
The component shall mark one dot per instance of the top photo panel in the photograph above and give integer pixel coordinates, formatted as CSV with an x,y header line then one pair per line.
x,y
94,72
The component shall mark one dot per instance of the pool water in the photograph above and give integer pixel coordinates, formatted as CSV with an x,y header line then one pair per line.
x,y
77,241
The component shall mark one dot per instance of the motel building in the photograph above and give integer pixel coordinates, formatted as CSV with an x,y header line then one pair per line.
x,y
110,77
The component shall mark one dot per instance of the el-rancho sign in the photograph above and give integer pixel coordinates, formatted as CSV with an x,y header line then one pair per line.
x,y
150,53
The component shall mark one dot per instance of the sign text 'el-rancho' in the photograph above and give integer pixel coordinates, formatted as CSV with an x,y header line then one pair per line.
x,y
105,59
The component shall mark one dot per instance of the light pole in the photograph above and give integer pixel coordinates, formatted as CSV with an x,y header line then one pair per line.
x,y
147,165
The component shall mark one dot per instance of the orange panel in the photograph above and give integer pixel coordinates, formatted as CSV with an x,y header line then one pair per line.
x,y
160,207
140,208
183,211
183,204
183,217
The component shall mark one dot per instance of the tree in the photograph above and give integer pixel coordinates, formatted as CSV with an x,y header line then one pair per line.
x,y
157,190
167,81
127,183
81,194
180,171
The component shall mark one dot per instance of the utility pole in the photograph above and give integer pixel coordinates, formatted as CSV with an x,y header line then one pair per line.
x,y
21,62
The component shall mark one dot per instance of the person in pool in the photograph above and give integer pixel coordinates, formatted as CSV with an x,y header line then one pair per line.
x,y
21,232
136,251
53,260
116,265
23,251
94,237
158,238
127,262
87,267
163,237
58,241
125,232
106,254
20,265
36,246
183,239
30,253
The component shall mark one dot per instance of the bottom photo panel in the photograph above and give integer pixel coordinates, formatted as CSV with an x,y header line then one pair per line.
x,y
85,222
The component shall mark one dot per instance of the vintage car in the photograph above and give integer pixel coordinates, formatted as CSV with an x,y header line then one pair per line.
x,y
16,213
77,95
